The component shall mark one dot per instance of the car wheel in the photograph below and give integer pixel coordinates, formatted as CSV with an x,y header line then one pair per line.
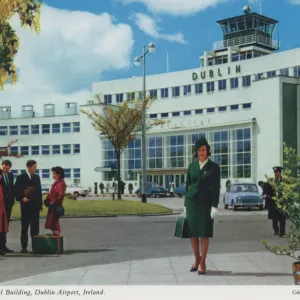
x,y
261,207
153,195
76,194
226,206
235,207
179,195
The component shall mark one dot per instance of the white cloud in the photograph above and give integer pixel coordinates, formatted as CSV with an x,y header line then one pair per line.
x,y
73,49
149,26
176,7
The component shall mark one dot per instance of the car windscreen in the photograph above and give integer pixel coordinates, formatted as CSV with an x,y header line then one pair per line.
x,y
245,188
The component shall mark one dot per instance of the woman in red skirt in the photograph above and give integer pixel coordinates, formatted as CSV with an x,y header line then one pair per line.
x,y
3,219
55,198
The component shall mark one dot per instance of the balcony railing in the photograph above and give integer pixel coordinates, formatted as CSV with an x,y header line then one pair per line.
x,y
246,40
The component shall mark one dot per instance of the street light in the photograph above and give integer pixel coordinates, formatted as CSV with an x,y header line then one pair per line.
x,y
137,61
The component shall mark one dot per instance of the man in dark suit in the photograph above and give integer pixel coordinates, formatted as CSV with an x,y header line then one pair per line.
x,y
28,192
7,182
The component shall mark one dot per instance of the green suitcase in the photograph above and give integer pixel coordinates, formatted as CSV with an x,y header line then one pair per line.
x,y
48,244
182,229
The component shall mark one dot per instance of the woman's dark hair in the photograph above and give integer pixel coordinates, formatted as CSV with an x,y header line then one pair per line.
x,y
60,171
207,149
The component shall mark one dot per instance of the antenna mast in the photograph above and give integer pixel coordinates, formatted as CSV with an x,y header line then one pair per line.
x,y
167,62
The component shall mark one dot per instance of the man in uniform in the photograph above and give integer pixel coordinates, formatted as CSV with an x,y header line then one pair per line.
x,y
275,213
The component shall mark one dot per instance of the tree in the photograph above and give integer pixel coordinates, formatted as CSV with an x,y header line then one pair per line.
x,y
4,152
29,13
120,124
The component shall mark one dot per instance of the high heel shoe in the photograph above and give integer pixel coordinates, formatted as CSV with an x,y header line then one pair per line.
x,y
195,268
202,272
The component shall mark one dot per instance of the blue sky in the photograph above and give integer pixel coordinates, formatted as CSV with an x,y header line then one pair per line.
x,y
85,41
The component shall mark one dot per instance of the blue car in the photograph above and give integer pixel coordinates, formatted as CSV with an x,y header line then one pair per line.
x,y
243,195
180,191
154,190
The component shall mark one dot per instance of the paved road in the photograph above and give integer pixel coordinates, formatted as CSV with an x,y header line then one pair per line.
x,y
100,241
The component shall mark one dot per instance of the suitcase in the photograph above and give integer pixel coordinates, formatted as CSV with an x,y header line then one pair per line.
x,y
48,244
182,229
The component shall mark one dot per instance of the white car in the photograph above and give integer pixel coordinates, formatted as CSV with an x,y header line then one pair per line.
x,y
77,191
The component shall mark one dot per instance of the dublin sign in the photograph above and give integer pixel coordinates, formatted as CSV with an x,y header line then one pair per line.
x,y
219,72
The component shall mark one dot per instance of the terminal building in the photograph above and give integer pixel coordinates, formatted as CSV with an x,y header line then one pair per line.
x,y
244,97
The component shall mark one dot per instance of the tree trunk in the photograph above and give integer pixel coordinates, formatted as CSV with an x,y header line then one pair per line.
x,y
118,173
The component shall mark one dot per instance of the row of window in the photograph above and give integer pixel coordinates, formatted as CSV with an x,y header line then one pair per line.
x,y
46,149
45,173
200,111
40,129
199,87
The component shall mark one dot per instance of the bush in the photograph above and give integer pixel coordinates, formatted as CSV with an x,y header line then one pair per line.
x,y
70,196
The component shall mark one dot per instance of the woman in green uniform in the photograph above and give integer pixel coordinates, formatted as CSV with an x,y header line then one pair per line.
x,y
202,199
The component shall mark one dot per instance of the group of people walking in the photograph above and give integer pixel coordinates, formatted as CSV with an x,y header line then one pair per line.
x,y
202,199
27,190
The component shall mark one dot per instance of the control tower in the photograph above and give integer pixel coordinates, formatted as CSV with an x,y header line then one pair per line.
x,y
244,37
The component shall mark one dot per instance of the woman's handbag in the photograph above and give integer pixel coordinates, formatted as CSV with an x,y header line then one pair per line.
x,y
59,211
182,229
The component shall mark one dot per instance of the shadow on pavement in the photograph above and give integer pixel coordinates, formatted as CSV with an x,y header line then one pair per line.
x,y
229,273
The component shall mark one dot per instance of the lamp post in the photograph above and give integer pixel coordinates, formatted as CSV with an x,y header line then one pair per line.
x,y
137,62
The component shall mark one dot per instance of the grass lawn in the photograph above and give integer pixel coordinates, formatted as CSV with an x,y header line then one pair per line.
x,y
81,208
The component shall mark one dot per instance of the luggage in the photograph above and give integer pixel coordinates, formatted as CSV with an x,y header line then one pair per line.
x,y
48,244
181,229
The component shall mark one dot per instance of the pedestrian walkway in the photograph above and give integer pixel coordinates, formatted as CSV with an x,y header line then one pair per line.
x,y
258,268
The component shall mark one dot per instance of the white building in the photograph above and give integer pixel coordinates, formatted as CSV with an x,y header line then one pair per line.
x,y
244,97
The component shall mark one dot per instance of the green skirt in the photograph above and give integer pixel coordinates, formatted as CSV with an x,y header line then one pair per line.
x,y
200,223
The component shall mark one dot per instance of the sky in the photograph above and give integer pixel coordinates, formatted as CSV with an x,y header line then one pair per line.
x,y
86,41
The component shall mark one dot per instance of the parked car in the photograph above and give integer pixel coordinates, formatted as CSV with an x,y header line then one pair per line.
x,y
243,195
180,191
153,189
77,191
45,188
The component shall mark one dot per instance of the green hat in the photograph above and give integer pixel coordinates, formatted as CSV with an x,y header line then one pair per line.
x,y
201,142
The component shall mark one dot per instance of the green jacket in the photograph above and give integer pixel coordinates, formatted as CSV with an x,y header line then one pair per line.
x,y
203,185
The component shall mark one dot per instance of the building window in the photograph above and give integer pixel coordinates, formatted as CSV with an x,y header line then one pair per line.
x,y
133,152
241,153
46,150
234,107
246,105
35,150
271,74
175,151
153,94
119,98
210,110
164,93
175,114
56,128
246,80
3,130
234,83
13,130
76,148
35,129
76,173
66,127
25,150
164,115
297,71
176,91
223,108
46,128
23,171
67,173
107,99
66,149
187,112
259,76
284,72
131,96
155,153
210,86
76,126
55,149
45,173
37,172
187,90
24,129
199,111
222,84
14,150
153,116
198,88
